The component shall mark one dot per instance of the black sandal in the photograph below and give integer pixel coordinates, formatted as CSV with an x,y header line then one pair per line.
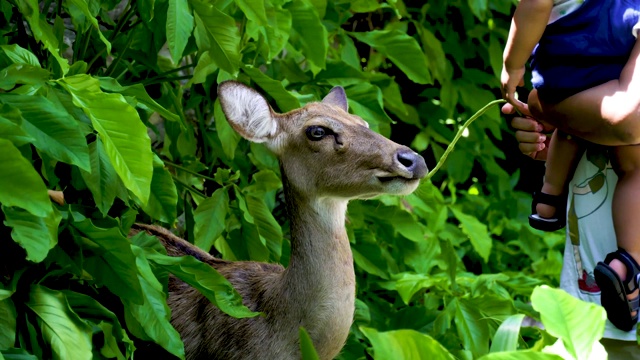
x,y
614,290
549,224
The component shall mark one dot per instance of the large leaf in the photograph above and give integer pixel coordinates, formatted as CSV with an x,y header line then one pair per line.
x,y
164,196
102,180
477,232
140,93
229,138
83,6
11,126
153,313
306,346
520,355
286,101
205,279
506,338
402,49
267,225
22,74
308,30
37,235
55,131
577,323
68,336
111,261
221,33
19,55
20,184
254,11
7,323
276,33
365,100
90,310
121,130
405,345
179,27
16,354
42,31
209,218
472,327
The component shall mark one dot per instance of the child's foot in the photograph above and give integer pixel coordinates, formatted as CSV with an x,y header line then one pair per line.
x,y
617,278
619,268
548,212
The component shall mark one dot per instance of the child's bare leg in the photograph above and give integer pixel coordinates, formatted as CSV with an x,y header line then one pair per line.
x,y
563,156
626,205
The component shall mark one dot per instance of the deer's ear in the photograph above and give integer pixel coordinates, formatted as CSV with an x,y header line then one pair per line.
x,y
337,97
247,111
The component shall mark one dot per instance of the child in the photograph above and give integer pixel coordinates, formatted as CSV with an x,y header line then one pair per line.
x,y
576,45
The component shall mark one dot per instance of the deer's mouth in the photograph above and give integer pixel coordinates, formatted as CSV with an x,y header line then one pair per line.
x,y
388,179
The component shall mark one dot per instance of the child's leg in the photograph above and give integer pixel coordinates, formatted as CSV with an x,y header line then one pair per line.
x,y
626,205
563,156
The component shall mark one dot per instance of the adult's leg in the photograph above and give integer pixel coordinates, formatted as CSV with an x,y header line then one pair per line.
x,y
621,350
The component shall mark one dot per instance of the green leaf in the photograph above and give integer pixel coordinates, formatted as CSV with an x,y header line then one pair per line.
x,y
102,180
11,126
163,198
68,336
205,67
83,5
55,131
307,29
153,313
506,338
286,102
16,354
205,279
42,31
140,93
405,345
365,100
520,355
209,218
93,312
19,55
577,323
145,9
22,74
306,346
402,49
111,261
20,184
7,324
37,235
472,327
221,32
268,227
479,8
476,231
121,130
179,27
254,11
276,32
229,138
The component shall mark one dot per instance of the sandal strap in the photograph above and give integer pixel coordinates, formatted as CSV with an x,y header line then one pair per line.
x,y
634,304
557,201
632,280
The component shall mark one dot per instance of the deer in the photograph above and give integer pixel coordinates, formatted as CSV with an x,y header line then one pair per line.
x,y
327,157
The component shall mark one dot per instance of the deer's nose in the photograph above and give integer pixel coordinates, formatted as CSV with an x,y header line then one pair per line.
x,y
413,162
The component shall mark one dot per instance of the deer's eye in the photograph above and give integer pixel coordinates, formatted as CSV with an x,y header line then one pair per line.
x,y
315,133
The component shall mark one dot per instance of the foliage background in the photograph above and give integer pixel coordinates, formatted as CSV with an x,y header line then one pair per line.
x,y
114,104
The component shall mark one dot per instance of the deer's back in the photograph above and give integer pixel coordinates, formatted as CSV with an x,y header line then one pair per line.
x,y
208,333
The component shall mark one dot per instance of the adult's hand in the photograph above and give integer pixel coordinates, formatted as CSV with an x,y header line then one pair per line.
x,y
529,133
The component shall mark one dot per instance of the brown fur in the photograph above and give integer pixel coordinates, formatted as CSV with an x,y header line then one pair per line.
x,y
317,290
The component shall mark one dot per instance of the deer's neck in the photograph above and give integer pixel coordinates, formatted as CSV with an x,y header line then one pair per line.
x,y
320,280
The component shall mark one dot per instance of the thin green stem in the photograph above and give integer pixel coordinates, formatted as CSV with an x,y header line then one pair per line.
x,y
161,75
188,171
167,79
116,61
459,134
85,45
188,187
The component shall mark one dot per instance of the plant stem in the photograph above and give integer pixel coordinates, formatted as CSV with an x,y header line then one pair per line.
x,y
167,79
187,170
189,187
459,134
115,62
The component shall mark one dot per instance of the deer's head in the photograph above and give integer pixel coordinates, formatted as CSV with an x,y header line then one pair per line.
x,y
323,150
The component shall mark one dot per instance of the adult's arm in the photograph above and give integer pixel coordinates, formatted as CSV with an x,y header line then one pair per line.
x,y
608,114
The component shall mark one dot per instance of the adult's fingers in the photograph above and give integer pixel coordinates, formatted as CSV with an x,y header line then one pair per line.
x,y
526,124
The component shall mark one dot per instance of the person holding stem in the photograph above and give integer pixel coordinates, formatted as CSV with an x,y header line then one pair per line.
x,y
585,53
